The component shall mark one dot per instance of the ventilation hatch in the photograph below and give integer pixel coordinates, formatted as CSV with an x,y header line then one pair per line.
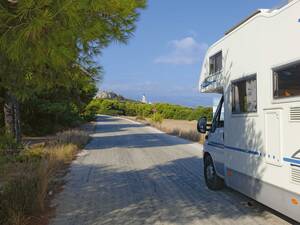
x,y
295,175
295,114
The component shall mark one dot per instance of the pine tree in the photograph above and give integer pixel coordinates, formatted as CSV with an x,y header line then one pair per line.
x,y
42,41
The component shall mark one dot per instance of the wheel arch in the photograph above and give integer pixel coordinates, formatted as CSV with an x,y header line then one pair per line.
x,y
207,154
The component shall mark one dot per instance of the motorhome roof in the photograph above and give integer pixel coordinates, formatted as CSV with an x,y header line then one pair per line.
x,y
244,21
256,13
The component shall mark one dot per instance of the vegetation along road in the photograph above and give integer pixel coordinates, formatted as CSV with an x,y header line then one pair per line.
x,y
132,174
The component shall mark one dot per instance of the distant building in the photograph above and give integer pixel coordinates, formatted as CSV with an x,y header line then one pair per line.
x,y
144,99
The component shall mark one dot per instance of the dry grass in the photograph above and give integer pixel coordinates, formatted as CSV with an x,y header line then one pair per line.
x,y
30,175
76,137
139,117
24,192
181,128
190,135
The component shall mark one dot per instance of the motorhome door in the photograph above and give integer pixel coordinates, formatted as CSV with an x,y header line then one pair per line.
x,y
215,140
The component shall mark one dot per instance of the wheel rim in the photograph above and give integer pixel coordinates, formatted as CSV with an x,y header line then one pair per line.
x,y
210,172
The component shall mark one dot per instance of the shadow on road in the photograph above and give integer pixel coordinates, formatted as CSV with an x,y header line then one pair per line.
x,y
125,136
132,187
141,140
173,193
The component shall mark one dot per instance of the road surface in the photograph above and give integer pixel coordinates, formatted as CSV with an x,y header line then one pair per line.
x,y
131,174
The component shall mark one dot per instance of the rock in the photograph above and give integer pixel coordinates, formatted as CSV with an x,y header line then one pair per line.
x,y
108,95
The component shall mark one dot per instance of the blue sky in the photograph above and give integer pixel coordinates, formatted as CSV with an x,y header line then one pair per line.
x,y
163,59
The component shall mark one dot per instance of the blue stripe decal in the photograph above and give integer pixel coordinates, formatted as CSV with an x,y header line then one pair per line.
x,y
290,160
215,144
243,150
218,145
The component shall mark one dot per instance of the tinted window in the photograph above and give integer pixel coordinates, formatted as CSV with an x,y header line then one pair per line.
x,y
215,63
244,95
287,81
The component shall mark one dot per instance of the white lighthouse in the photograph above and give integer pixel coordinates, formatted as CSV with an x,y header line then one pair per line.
x,y
144,99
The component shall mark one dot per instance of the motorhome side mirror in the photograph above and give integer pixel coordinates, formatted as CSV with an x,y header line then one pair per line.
x,y
201,125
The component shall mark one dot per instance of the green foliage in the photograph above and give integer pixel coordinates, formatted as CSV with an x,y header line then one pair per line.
x,y
31,155
132,108
52,110
7,143
157,118
49,48
1,111
42,41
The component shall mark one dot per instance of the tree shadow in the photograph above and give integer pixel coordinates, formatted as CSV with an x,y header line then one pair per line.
x,y
106,118
117,133
107,128
170,193
135,140
115,182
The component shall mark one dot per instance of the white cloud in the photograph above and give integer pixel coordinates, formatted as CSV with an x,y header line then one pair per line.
x,y
186,51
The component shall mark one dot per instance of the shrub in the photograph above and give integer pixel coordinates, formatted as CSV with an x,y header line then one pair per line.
x,y
61,154
140,117
24,193
41,117
33,154
157,118
132,108
8,143
76,137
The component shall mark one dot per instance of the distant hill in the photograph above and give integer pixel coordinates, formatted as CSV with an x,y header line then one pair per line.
x,y
109,95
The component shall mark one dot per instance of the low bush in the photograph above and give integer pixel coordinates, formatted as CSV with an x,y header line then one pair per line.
x,y
189,135
132,108
24,193
140,117
76,137
8,143
157,118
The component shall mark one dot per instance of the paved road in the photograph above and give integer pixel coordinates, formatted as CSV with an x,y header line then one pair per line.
x,y
130,174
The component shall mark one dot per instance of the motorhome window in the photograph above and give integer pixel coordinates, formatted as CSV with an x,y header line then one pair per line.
x,y
287,81
215,63
218,120
244,95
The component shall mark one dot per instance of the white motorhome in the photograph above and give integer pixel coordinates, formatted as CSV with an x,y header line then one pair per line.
x,y
255,146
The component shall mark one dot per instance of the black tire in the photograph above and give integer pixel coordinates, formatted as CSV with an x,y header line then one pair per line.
x,y
212,180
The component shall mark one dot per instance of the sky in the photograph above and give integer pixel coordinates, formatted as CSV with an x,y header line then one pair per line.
x,y
164,57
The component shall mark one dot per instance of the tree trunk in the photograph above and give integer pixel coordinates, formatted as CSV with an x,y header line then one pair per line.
x,y
17,121
12,116
9,115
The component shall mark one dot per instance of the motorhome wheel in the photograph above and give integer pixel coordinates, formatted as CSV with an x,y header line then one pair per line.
x,y
213,181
